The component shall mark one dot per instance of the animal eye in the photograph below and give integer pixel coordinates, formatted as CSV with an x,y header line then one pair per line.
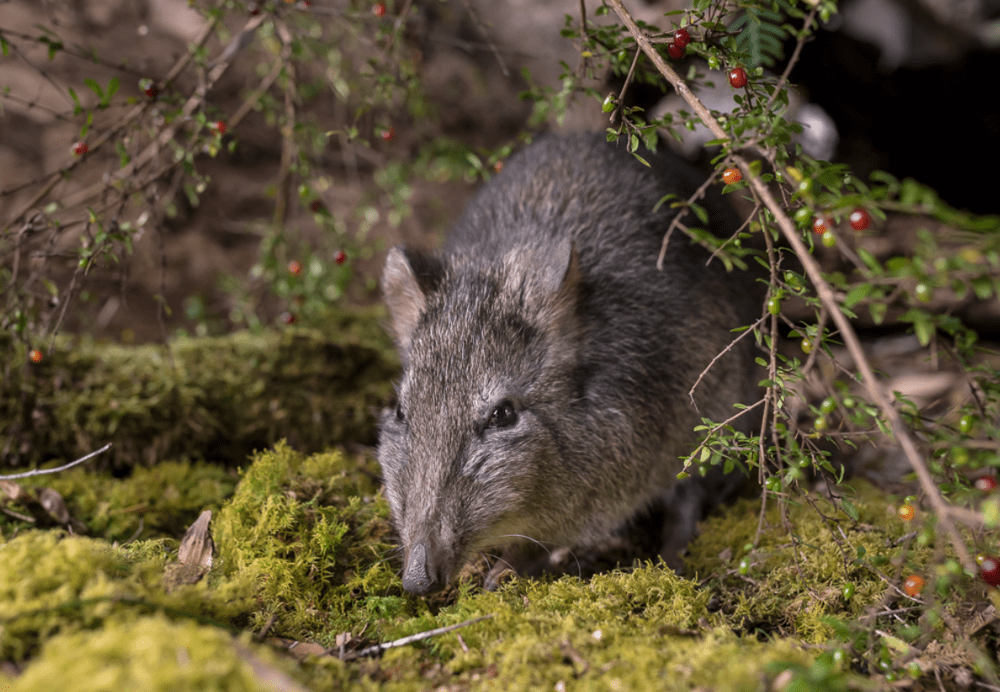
x,y
400,416
503,416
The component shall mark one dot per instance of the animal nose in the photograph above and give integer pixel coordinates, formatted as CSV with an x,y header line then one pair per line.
x,y
417,577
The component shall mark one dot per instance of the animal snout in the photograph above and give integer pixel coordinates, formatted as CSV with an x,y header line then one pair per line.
x,y
422,574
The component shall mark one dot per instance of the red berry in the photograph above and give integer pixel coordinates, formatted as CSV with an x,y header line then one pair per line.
x,y
379,9
389,135
317,207
80,148
860,219
821,224
913,585
986,483
731,175
498,166
36,355
675,51
295,267
152,93
288,318
682,37
340,257
989,570
220,126
906,512
738,77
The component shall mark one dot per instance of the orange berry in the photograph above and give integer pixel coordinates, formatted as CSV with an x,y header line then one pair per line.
x,y
906,512
821,224
379,9
913,585
731,175
295,267
36,355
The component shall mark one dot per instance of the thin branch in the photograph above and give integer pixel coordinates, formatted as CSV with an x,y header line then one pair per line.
x,y
719,355
379,648
683,212
40,472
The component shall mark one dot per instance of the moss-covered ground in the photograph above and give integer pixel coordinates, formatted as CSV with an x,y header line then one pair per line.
x,y
304,564
304,553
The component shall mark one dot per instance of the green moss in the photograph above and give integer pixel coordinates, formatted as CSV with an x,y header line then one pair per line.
x,y
153,502
151,654
309,533
52,582
796,580
303,545
44,572
208,398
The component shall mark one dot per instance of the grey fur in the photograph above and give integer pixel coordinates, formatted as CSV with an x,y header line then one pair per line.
x,y
547,361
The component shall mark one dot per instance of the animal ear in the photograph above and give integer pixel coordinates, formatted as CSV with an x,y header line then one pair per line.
x,y
406,280
560,283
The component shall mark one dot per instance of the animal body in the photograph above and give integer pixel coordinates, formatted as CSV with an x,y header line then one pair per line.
x,y
547,361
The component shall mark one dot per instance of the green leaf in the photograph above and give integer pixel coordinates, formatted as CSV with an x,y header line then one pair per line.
x,y
77,107
923,325
878,311
870,261
857,294
849,509
95,87
982,287
641,160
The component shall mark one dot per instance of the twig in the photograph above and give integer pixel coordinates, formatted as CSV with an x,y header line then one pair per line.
x,y
719,355
823,290
676,221
489,42
379,648
40,472
621,95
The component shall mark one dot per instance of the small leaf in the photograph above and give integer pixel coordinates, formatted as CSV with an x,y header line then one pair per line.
x,y
878,311
924,327
77,107
982,287
95,87
857,294
849,509
870,261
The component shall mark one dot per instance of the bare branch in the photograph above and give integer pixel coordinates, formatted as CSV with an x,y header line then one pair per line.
x,y
40,472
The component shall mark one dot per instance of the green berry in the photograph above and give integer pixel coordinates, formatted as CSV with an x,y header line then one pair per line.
x,y
966,422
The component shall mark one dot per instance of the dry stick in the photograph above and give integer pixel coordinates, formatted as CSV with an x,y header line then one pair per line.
x,y
281,201
682,212
823,289
379,648
719,355
489,42
40,472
